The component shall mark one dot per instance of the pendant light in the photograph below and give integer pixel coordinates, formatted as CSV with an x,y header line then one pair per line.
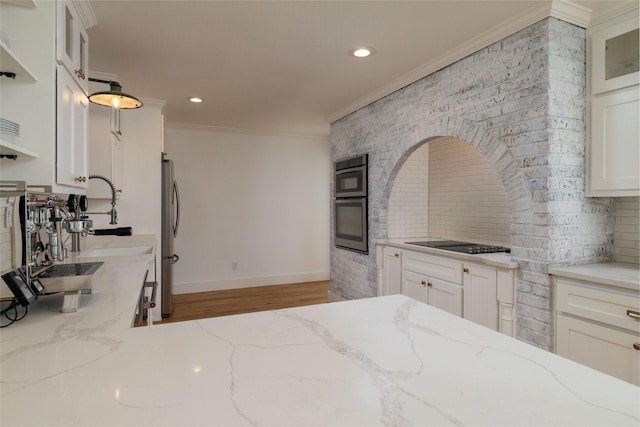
x,y
114,97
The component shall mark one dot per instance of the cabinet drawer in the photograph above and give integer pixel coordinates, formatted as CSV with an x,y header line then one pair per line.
x,y
433,266
599,305
606,349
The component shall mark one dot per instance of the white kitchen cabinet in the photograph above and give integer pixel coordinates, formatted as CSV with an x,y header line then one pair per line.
x,y
105,153
613,53
72,45
607,350
614,151
480,295
72,124
599,326
47,149
613,154
392,270
434,280
437,293
12,62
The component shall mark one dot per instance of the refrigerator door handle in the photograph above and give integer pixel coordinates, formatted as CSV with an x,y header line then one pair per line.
x,y
173,258
177,222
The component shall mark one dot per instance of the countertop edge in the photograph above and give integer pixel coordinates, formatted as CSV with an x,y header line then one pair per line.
x,y
499,260
619,274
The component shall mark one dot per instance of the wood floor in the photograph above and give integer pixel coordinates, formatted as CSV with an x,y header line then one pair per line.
x,y
237,301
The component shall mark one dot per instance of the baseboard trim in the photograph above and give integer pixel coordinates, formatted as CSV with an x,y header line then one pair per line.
x,y
249,282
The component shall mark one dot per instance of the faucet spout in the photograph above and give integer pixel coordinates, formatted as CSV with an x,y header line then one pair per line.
x,y
113,213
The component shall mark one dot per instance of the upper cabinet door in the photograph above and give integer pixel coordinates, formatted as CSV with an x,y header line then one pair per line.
x,y
71,146
615,54
72,44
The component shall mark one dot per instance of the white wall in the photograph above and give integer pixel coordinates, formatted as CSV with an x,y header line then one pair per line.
x,y
259,201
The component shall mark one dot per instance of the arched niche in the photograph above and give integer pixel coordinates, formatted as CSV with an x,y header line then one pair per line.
x,y
447,189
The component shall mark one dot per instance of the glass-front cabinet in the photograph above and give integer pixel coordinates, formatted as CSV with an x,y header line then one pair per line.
x,y
613,169
72,47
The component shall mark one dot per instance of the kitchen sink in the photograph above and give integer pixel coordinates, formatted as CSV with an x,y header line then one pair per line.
x,y
116,251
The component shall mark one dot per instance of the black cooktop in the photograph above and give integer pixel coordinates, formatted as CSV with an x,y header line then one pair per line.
x,y
463,247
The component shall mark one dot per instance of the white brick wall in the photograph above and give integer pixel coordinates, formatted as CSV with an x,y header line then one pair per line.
x,y
626,234
519,102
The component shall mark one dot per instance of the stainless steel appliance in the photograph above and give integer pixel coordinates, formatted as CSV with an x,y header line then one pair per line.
x,y
462,247
350,205
170,222
351,177
35,245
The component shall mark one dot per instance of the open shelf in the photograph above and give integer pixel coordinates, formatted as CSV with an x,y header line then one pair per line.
x,y
9,149
11,63
31,4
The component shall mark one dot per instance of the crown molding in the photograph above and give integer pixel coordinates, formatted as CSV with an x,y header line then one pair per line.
x,y
222,129
152,102
571,12
613,10
103,76
560,9
87,15
483,40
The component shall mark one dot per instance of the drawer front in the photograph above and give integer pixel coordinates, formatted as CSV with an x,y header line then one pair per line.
x,y
433,266
599,305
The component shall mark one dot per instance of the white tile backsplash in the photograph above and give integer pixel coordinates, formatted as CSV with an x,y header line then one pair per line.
x,y
408,202
447,189
626,237
467,200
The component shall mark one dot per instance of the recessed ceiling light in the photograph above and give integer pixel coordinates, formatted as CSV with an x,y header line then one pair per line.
x,y
195,100
362,52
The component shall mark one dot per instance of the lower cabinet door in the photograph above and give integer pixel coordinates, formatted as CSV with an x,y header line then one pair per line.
x,y
392,271
480,295
605,349
437,293
446,296
415,286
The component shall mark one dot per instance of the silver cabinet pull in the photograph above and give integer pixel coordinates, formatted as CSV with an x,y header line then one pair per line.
x,y
634,314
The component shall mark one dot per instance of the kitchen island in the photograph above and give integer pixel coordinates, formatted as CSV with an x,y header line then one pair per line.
x,y
380,361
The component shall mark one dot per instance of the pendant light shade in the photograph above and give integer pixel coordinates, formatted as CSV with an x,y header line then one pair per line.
x,y
114,97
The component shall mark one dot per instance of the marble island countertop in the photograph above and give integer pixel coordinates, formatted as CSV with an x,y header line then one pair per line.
x,y
378,361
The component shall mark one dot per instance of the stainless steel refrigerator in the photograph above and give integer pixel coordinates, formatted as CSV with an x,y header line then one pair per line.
x,y
170,222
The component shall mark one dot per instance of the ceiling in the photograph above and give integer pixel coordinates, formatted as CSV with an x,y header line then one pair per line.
x,y
283,67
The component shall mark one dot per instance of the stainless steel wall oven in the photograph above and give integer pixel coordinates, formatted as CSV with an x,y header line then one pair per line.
x,y
350,205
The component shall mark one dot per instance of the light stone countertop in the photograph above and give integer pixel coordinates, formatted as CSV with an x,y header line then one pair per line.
x,y
377,361
619,274
499,259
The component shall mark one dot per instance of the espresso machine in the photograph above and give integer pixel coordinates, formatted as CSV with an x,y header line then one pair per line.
x,y
38,226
